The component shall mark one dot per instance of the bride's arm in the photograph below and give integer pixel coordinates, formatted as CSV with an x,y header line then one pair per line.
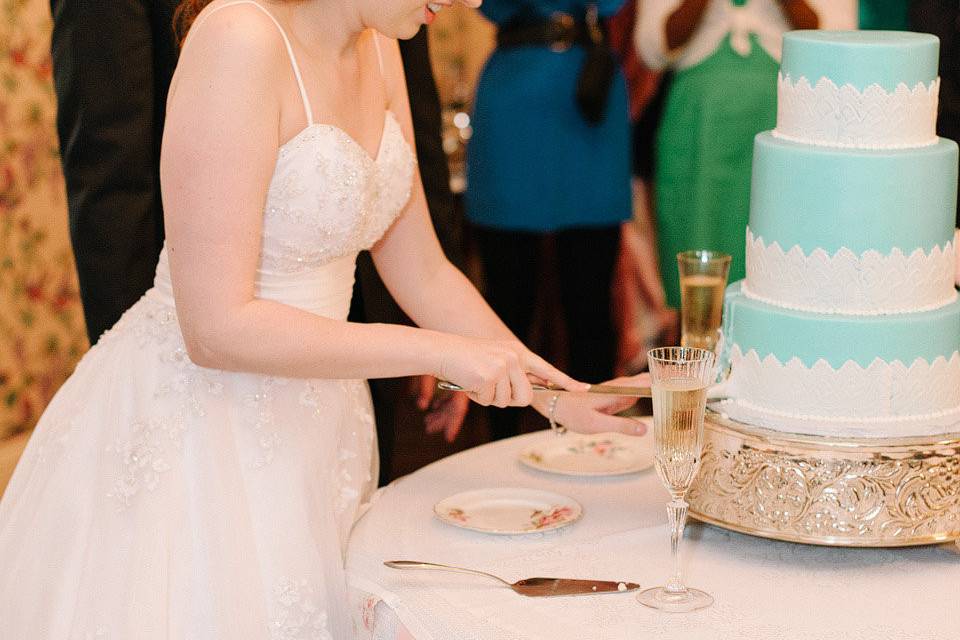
x,y
218,157
426,285
436,295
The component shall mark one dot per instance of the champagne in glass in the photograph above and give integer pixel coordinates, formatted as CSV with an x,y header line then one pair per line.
x,y
680,378
703,278
679,405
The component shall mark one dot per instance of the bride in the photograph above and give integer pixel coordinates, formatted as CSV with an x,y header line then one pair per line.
x,y
199,474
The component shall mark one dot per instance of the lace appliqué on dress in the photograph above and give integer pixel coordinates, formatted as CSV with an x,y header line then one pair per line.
x,y
299,615
262,419
360,438
148,448
143,453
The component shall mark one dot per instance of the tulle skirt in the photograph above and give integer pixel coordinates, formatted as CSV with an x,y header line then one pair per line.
x,y
157,499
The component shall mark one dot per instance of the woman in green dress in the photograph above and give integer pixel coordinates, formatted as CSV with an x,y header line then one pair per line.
x,y
725,57
888,15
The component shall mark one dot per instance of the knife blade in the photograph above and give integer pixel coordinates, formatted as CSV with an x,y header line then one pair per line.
x,y
718,392
603,389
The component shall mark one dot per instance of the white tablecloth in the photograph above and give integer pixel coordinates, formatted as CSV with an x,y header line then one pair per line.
x,y
763,589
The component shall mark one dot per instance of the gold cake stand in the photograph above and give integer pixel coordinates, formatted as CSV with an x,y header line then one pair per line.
x,y
829,491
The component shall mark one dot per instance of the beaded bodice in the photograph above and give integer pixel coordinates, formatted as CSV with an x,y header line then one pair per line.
x,y
328,199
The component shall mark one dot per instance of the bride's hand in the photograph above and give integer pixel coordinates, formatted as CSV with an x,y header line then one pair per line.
x,y
595,413
496,371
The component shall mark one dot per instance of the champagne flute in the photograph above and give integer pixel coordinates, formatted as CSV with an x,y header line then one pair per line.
x,y
703,278
680,378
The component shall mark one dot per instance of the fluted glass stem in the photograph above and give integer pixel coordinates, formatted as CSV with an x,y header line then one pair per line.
x,y
677,513
679,379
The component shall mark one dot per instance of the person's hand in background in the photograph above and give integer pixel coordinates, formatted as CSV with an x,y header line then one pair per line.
x,y
445,411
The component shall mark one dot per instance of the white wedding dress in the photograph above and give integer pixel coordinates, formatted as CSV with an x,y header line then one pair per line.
x,y
161,500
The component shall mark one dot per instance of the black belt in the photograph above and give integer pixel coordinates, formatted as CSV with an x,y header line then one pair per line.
x,y
559,31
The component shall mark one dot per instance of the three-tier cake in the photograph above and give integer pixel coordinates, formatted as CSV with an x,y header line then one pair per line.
x,y
848,321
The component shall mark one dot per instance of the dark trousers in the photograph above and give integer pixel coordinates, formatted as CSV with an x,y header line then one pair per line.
x,y
112,63
585,261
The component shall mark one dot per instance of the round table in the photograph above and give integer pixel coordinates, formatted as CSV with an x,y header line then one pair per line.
x,y
763,588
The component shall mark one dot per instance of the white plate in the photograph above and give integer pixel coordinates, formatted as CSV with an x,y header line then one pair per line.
x,y
607,454
508,511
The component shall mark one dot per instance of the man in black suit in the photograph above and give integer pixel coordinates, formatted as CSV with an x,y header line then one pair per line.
x,y
112,64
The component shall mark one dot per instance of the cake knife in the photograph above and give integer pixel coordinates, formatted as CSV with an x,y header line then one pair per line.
x,y
716,393
603,389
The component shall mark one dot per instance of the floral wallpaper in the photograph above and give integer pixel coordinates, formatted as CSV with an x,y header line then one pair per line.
x,y
41,324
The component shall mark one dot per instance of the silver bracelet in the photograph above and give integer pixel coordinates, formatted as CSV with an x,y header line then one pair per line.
x,y
557,428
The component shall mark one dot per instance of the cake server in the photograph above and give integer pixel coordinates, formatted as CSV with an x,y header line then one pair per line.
x,y
532,587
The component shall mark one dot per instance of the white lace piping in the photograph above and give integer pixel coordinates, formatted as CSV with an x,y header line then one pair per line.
x,y
845,283
828,115
882,393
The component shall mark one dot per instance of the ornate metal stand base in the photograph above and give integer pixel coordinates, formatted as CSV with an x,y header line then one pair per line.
x,y
816,490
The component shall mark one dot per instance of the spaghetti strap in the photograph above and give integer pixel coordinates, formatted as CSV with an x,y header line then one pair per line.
x,y
376,45
293,58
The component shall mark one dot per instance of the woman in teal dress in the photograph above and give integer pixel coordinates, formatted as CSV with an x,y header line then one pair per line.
x,y
724,54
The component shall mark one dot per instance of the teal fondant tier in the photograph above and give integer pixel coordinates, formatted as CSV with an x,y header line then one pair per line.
x,y
837,339
827,198
861,58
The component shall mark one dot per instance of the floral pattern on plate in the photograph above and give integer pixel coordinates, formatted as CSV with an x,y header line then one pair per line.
x,y
604,448
458,515
598,455
544,519
508,511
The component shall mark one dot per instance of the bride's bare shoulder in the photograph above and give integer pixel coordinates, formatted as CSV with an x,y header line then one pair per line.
x,y
230,43
234,32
